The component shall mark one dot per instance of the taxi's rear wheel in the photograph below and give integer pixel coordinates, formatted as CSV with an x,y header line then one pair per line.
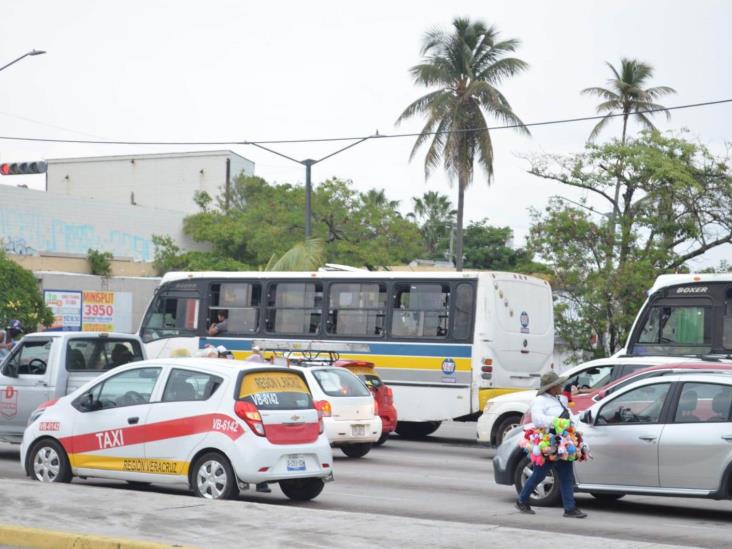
x,y
302,489
356,450
212,477
49,462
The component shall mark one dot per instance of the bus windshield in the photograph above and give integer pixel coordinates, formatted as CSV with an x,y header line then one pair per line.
x,y
676,330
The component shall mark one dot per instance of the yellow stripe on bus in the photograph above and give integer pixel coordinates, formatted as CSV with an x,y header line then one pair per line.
x,y
486,394
132,465
393,361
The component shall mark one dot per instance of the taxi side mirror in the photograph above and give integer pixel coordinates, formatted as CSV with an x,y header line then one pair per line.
x,y
87,403
10,369
586,417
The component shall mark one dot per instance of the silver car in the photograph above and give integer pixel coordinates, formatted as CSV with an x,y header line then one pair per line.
x,y
666,436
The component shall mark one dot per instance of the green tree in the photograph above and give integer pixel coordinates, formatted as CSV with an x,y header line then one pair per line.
x,y
264,220
303,256
626,94
21,297
466,66
435,215
100,263
488,247
675,205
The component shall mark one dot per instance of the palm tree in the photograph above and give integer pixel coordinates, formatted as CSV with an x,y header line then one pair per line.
x,y
626,93
465,66
435,215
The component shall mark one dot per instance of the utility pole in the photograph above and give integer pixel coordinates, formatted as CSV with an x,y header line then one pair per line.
x,y
308,198
309,163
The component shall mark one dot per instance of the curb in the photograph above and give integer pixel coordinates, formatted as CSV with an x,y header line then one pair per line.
x,y
21,536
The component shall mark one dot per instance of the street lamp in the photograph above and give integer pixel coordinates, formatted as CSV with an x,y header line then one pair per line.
x,y
32,52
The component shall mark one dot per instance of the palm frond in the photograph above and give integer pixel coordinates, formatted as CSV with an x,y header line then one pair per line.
x,y
503,68
602,93
303,256
598,128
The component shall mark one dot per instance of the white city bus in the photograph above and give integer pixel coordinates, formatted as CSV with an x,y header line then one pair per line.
x,y
444,342
685,315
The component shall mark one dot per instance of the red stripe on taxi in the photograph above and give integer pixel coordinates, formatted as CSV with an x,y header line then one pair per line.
x,y
162,430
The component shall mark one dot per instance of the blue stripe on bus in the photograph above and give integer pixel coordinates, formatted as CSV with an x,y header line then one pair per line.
x,y
400,349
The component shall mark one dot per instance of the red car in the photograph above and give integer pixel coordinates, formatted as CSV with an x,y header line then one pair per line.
x,y
581,401
382,393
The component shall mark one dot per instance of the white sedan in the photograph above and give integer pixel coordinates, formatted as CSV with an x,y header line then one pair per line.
x,y
214,425
349,411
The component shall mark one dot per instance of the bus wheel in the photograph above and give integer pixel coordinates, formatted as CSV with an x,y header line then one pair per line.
x,y
417,429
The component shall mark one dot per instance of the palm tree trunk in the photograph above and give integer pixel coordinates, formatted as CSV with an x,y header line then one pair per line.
x,y
462,183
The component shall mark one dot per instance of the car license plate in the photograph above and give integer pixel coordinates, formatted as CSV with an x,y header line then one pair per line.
x,y
358,430
296,462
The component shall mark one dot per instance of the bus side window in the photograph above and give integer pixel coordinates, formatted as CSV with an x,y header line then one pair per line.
x,y
420,310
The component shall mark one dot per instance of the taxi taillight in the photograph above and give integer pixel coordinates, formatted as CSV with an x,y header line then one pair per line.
x,y
251,416
376,407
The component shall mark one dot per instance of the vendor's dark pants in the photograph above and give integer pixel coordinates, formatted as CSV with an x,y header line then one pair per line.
x,y
562,469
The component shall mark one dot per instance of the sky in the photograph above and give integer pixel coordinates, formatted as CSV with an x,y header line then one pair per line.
x,y
236,70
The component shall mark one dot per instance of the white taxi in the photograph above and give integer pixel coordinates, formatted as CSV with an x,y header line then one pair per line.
x,y
349,409
214,425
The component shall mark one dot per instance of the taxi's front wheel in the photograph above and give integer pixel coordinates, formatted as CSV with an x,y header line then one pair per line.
x,y
212,477
49,462
302,489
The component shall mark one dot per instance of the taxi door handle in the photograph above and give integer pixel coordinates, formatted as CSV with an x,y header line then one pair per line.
x,y
647,438
133,420
727,437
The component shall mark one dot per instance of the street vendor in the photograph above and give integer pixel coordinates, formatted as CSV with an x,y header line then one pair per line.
x,y
551,419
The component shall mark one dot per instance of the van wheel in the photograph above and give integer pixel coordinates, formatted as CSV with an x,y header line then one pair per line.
x,y
49,462
417,429
356,450
212,477
302,489
508,423
546,493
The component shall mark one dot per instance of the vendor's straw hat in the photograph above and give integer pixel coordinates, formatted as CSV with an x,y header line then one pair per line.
x,y
549,380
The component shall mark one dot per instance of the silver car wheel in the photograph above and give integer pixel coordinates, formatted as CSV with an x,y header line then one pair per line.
x,y
211,479
544,487
46,464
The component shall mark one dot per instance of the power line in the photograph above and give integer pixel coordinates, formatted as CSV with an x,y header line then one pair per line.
x,y
356,138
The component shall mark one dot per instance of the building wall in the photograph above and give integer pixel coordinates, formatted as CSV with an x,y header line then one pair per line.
x,y
35,221
49,261
142,289
161,181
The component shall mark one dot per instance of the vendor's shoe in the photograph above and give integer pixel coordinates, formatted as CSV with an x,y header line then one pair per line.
x,y
575,513
264,488
524,508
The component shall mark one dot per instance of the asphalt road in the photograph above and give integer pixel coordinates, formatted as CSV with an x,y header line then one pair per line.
x,y
449,477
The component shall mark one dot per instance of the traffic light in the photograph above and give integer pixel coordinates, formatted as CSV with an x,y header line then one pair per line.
x,y
23,168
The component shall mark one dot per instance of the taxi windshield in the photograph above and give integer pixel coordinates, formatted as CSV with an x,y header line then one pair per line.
x,y
275,391
340,383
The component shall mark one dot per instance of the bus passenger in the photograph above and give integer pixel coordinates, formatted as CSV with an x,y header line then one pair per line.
x,y
221,325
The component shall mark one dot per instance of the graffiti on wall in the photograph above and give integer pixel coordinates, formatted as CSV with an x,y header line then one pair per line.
x,y
26,233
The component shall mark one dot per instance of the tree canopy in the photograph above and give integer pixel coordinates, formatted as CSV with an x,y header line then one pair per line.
x,y
675,204
21,296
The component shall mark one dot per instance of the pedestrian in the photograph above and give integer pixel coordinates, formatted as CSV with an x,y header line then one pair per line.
x,y
256,355
221,325
548,406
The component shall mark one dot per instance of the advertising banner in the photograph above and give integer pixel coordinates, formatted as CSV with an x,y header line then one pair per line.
x,y
66,308
107,312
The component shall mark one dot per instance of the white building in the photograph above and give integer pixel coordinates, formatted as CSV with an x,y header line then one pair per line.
x,y
165,181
